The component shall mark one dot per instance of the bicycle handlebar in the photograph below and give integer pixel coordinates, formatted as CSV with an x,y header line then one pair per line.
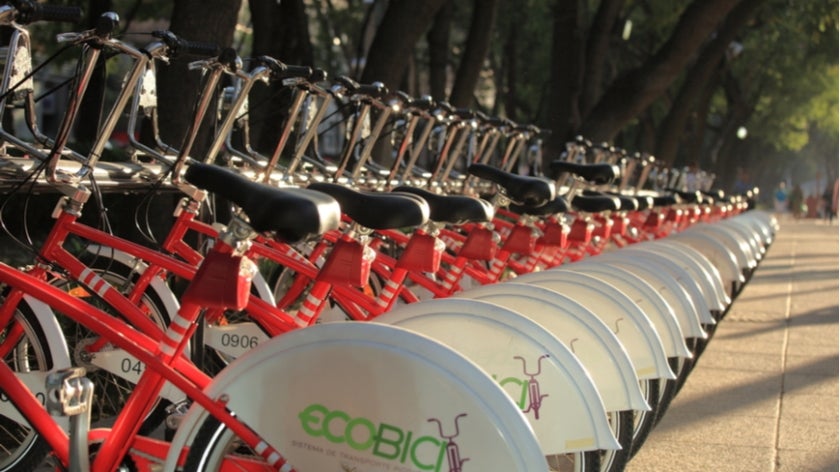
x,y
30,12
178,45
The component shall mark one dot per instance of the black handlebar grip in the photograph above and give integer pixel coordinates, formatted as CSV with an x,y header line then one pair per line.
x,y
445,106
464,113
348,83
426,102
375,90
198,48
30,12
318,75
404,97
303,72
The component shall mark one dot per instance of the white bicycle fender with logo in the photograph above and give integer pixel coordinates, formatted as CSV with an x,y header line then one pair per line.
x,y
671,269
589,338
647,299
542,376
631,326
366,396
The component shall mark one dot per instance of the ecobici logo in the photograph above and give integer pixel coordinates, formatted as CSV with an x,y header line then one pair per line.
x,y
385,441
528,389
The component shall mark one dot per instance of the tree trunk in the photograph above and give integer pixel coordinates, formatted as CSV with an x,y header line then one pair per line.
x,y
403,24
673,126
597,48
510,66
91,108
280,31
695,148
438,39
210,21
631,93
740,109
565,76
475,51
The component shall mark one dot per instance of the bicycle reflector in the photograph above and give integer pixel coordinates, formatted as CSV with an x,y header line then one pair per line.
x,y
222,281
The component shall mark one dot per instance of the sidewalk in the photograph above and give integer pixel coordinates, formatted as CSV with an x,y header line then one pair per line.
x,y
764,395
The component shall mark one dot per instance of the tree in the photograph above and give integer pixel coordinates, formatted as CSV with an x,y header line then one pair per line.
x,y
597,49
403,24
211,21
438,39
629,94
91,108
566,75
672,129
475,52
280,31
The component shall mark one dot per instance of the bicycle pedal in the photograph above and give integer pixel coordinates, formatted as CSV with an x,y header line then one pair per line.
x,y
69,392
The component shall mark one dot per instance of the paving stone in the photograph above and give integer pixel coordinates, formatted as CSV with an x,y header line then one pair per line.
x,y
764,395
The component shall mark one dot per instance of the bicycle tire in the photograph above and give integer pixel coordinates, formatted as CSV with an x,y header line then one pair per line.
x,y
216,442
110,391
669,392
644,421
22,449
621,423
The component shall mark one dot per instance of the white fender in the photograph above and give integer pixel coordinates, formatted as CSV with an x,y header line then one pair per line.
x,y
721,257
752,235
263,289
52,331
589,338
162,291
737,247
509,347
36,380
111,359
647,299
627,321
748,238
673,293
707,266
382,384
703,280
671,268
761,222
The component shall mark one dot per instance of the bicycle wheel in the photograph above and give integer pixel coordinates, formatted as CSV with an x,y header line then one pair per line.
x,y
643,421
621,424
669,389
21,447
219,444
111,391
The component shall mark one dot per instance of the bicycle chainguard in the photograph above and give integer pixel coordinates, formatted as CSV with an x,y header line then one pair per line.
x,y
70,393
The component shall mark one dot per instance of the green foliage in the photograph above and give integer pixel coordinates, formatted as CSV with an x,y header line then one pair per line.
x,y
790,64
